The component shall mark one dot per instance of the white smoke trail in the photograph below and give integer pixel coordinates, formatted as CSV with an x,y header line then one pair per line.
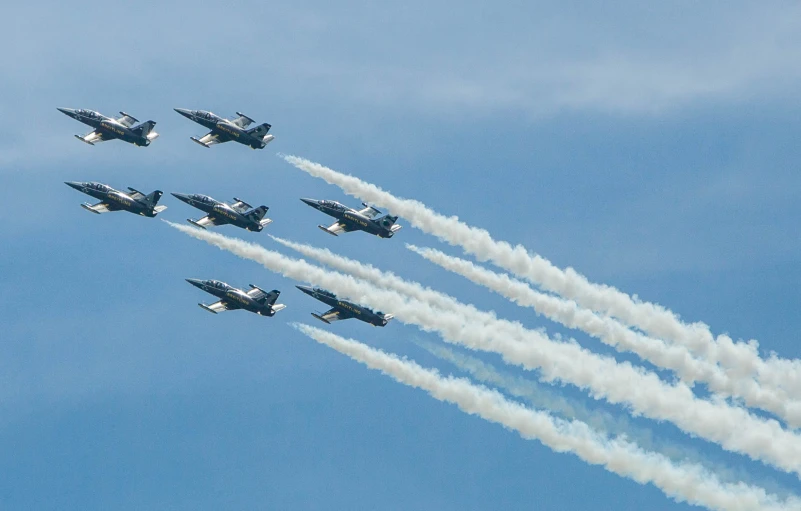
x,y
613,333
733,428
739,357
568,313
541,397
683,482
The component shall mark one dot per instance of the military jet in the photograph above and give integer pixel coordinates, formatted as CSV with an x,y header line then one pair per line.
x,y
107,128
255,300
240,213
115,200
341,309
349,219
224,130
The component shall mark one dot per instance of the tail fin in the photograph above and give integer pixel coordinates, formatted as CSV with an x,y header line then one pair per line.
x,y
144,129
387,221
271,297
257,214
153,198
260,130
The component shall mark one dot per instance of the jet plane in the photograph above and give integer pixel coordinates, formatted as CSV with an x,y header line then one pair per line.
x,y
107,128
341,309
255,300
240,213
224,130
349,219
115,200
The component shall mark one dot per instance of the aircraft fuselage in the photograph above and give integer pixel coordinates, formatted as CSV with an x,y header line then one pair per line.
x,y
225,129
350,309
351,218
115,198
231,295
220,209
110,128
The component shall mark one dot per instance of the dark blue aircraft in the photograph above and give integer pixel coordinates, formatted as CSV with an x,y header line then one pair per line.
x,y
340,309
240,213
107,128
225,130
255,300
114,200
349,219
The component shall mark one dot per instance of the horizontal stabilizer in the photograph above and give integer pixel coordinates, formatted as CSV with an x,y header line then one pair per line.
x,y
198,141
328,231
206,307
278,307
265,222
396,228
159,209
195,223
320,318
89,207
83,139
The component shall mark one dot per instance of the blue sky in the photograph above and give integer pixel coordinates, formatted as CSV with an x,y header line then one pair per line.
x,y
653,148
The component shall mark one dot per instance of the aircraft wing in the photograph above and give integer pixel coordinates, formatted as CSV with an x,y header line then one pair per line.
x,y
135,194
100,207
207,221
332,315
219,306
337,228
92,138
211,138
243,121
127,120
240,206
257,294
369,211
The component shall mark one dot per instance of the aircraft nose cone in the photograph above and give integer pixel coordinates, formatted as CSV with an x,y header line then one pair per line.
x,y
310,202
305,289
184,112
195,282
74,184
68,111
181,196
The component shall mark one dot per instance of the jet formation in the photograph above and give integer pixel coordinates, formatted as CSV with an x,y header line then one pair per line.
x,y
108,128
114,200
224,130
340,309
240,213
255,300
349,219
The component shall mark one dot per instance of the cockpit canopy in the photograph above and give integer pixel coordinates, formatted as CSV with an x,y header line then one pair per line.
x,y
203,198
217,284
100,187
332,204
324,292
87,113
